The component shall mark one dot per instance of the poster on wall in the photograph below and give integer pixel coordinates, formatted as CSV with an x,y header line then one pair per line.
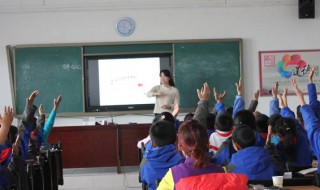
x,y
281,66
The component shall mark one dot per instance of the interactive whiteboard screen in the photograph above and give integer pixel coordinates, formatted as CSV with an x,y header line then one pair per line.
x,y
127,81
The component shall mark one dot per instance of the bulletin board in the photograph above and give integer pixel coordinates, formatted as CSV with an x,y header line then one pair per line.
x,y
281,66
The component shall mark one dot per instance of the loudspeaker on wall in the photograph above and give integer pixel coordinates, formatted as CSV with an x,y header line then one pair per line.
x,y
306,9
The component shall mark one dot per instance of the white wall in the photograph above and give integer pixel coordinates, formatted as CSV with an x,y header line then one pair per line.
x,y
262,24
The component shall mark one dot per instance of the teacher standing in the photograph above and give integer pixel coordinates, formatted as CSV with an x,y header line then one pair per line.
x,y
167,95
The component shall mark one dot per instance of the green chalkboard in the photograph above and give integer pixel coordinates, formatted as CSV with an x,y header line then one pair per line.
x,y
53,71
217,63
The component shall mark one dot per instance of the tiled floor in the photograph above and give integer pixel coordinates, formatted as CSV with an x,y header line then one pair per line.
x,y
100,179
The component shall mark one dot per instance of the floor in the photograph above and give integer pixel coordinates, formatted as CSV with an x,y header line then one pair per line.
x,y
100,179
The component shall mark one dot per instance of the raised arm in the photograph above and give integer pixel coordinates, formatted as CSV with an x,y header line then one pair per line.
x,y
254,102
202,109
310,120
285,110
219,106
274,102
5,122
50,122
239,102
312,92
27,119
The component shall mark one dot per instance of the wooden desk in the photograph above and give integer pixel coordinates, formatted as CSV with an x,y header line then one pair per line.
x,y
99,146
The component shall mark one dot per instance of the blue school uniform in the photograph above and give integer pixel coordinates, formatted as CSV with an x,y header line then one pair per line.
x,y
274,106
238,105
255,162
156,163
223,156
313,100
313,130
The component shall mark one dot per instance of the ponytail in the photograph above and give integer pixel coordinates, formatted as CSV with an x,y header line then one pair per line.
x,y
193,140
288,129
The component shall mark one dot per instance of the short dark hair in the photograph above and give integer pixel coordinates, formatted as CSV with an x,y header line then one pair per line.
x,y
224,121
244,136
230,110
167,116
189,116
245,117
273,119
211,119
162,133
262,123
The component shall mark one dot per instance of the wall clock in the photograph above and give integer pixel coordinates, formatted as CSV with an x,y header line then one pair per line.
x,y
125,26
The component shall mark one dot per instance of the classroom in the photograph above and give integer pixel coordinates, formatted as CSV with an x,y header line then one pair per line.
x,y
262,25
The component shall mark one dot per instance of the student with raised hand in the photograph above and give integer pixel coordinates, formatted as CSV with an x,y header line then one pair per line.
x,y
285,111
193,142
162,154
312,92
167,95
27,124
50,121
253,161
311,122
292,145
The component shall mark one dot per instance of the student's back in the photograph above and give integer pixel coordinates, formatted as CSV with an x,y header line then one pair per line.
x,y
193,144
223,126
161,154
293,146
253,161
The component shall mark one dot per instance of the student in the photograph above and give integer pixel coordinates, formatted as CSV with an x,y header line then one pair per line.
x,y
167,116
167,95
193,142
311,122
11,174
162,155
291,144
243,117
246,117
262,124
25,127
223,126
251,160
